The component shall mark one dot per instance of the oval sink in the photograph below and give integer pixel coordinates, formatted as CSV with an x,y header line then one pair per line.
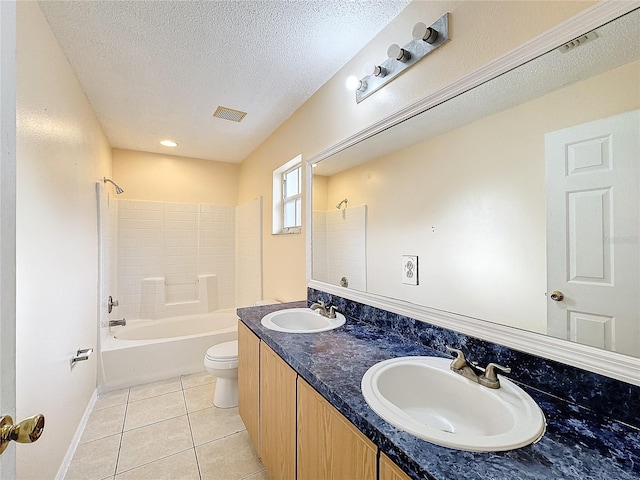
x,y
423,397
301,320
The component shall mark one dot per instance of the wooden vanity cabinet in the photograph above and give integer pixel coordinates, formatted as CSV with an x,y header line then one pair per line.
x,y
295,431
329,446
249,382
389,470
277,415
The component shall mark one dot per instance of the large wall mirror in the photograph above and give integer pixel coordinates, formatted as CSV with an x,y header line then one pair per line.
x,y
520,199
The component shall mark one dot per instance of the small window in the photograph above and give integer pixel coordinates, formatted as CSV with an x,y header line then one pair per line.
x,y
287,197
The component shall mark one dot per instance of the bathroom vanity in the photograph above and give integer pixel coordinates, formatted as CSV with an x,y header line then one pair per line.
x,y
301,401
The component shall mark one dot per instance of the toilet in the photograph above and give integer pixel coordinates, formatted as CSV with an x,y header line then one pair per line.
x,y
221,361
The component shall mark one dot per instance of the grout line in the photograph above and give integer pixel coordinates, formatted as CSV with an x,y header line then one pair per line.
x,y
222,438
253,474
154,461
124,419
195,451
154,423
193,442
155,396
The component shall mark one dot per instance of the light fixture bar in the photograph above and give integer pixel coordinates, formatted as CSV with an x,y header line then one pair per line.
x,y
416,49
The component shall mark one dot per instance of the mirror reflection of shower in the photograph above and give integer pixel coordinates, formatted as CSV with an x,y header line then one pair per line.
x,y
119,190
345,201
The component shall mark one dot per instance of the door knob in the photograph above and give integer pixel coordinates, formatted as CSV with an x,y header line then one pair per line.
x,y
557,296
27,431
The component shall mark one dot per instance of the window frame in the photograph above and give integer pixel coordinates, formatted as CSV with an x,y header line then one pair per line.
x,y
280,200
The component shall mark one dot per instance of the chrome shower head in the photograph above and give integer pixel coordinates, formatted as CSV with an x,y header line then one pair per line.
x,y
340,204
118,189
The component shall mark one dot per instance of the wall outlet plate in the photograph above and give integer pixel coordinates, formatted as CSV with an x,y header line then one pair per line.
x,y
410,269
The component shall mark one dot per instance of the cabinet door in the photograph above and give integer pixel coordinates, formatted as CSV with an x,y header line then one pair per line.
x,y
390,471
329,446
277,415
249,382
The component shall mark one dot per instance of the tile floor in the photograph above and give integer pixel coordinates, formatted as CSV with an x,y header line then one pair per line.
x,y
165,430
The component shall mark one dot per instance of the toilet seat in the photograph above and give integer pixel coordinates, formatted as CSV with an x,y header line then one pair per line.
x,y
223,356
223,351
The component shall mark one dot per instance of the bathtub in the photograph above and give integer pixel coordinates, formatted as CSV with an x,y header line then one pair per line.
x,y
146,351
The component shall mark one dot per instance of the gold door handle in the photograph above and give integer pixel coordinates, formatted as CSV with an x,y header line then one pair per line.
x,y
27,431
557,296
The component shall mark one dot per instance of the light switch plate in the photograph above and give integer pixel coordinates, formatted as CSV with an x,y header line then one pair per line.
x,y
410,269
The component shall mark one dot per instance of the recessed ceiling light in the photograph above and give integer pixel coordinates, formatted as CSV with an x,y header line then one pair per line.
x,y
168,143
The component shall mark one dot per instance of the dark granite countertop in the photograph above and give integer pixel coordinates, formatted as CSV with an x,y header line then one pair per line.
x,y
578,444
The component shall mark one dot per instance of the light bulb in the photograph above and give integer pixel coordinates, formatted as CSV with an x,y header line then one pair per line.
x,y
354,84
373,69
422,32
394,51
168,143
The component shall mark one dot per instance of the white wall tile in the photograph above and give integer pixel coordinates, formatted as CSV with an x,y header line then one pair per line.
x,y
177,242
339,239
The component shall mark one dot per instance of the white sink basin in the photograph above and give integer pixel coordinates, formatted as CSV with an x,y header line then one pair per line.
x,y
301,320
422,396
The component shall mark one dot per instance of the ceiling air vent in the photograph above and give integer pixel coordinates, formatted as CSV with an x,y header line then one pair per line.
x,y
229,114
578,42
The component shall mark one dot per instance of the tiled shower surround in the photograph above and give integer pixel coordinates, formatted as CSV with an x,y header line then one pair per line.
x,y
176,241
339,246
588,392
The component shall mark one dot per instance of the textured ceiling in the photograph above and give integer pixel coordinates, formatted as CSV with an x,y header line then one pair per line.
x,y
155,70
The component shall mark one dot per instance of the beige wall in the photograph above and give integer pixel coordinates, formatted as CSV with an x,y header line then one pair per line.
x,y
480,31
61,154
167,178
471,204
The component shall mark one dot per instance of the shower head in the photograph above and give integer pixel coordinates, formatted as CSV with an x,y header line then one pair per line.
x,y
118,189
340,204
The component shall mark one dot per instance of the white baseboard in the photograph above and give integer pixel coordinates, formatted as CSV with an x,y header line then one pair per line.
x,y
66,461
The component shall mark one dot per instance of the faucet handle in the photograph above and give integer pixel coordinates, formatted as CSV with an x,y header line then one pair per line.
x,y
332,312
490,372
460,361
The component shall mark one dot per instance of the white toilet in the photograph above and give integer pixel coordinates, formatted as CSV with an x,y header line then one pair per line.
x,y
222,362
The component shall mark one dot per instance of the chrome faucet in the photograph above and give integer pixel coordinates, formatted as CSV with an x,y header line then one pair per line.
x,y
322,309
115,323
484,376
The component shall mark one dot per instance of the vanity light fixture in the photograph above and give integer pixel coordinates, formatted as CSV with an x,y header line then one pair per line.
x,y
425,40
168,143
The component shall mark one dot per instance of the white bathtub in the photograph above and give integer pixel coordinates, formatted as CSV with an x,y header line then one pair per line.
x,y
150,350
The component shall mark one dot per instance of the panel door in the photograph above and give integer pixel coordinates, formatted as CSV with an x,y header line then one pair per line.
x,y
277,415
593,215
389,470
329,446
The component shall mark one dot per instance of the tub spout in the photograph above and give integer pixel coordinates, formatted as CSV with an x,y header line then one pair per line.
x,y
115,323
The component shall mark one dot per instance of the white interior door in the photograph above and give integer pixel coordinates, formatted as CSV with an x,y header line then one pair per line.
x,y
593,217
7,226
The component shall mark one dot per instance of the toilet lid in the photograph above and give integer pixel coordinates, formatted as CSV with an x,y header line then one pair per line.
x,y
223,351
